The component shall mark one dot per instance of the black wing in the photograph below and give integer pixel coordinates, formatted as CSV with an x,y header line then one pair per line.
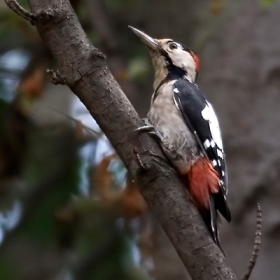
x,y
202,121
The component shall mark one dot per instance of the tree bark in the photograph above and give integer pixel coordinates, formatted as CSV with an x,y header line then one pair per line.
x,y
85,71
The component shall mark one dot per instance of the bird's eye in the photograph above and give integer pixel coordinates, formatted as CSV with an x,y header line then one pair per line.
x,y
173,46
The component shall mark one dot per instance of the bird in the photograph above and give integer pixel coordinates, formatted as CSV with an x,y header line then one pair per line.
x,y
187,127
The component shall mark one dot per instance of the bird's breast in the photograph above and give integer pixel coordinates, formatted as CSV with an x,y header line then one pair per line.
x,y
177,140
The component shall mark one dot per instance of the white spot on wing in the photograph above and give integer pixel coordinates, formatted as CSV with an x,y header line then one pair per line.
x,y
175,90
220,153
214,162
209,115
212,226
206,144
175,102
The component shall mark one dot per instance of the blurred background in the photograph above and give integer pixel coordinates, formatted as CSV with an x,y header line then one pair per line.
x,y
68,210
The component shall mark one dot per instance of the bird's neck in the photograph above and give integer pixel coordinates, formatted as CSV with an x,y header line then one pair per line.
x,y
164,74
161,71
160,76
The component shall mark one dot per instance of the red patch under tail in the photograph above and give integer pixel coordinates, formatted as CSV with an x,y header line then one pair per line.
x,y
203,185
203,180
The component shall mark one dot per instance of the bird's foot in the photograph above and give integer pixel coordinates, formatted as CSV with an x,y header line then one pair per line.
x,y
148,127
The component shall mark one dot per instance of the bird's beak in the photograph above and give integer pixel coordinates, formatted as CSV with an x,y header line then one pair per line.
x,y
150,43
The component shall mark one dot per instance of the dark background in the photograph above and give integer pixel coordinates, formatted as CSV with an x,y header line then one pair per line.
x,y
58,220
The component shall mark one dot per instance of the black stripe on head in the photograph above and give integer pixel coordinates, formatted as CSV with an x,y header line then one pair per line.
x,y
167,58
174,72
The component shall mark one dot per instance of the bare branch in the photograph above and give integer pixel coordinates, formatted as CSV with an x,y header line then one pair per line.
x,y
19,10
85,70
96,134
257,244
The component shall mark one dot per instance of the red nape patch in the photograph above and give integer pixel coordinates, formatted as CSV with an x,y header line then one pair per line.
x,y
203,180
196,61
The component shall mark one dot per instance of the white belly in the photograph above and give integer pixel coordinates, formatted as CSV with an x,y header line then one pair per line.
x,y
177,140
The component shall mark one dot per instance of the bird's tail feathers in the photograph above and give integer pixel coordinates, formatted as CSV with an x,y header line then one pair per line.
x,y
204,189
203,180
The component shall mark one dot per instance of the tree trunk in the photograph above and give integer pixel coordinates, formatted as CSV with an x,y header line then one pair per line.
x,y
84,70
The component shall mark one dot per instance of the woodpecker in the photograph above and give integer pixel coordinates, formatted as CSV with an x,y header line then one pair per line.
x,y
188,128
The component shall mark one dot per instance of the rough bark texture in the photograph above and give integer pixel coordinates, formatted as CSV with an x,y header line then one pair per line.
x,y
85,71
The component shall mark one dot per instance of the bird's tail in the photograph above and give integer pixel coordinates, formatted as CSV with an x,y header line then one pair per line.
x,y
203,186
203,180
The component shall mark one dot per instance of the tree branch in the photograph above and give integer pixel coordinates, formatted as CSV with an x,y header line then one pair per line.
x,y
257,244
86,73
16,7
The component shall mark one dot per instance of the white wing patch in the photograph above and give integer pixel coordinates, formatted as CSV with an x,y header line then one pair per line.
x,y
220,154
206,144
175,90
209,115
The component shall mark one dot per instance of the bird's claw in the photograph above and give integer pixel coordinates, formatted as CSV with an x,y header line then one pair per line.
x,y
146,127
149,128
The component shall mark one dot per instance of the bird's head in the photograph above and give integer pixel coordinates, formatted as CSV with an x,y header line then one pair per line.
x,y
169,58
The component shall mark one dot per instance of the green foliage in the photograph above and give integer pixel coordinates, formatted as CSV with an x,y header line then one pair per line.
x,y
267,3
138,68
7,269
